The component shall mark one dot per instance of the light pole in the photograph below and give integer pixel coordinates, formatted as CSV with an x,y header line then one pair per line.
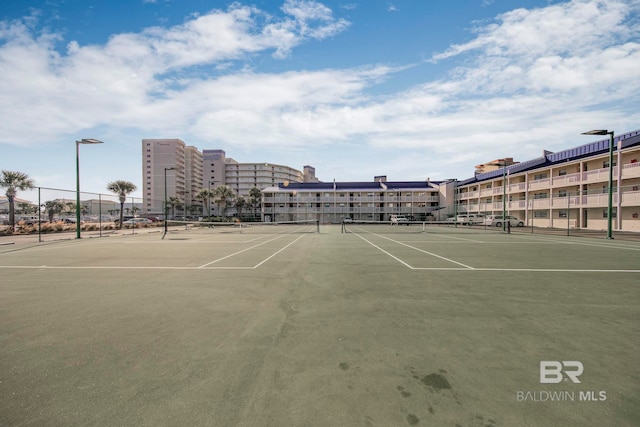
x,y
610,201
166,213
82,141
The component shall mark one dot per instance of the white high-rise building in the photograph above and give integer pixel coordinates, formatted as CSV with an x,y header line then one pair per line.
x,y
171,168
188,170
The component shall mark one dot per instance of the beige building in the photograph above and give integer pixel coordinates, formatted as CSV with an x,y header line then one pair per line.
x,y
564,189
189,170
163,162
494,165
369,201
242,177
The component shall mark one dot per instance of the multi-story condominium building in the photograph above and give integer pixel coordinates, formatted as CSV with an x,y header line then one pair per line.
x,y
188,170
242,177
333,202
170,160
192,176
564,189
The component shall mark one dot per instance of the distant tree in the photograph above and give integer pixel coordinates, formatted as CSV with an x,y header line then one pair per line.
x,y
53,208
26,208
14,181
240,204
173,202
122,189
255,199
205,195
70,207
223,195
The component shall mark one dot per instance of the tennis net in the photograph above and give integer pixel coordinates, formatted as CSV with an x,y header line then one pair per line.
x,y
283,227
386,227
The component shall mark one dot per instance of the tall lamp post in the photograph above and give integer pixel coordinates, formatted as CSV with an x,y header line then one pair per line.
x,y
610,201
166,210
82,141
504,192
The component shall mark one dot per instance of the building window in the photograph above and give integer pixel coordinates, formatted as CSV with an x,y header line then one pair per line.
x,y
540,214
562,172
613,213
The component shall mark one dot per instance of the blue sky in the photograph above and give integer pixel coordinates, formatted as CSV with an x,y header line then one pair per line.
x,y
410,89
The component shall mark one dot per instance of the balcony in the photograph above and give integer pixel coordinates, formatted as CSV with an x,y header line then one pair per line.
x,y
468,195
598,200
598,175
631,170
519,187
631,198
539,184
565,180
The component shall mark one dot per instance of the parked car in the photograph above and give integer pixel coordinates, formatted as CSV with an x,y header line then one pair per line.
x,y
474,219
467,219
137,221
125,219
399,220
347,220
498,220
34,222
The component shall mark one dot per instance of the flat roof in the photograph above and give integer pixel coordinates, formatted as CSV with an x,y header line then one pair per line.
x,y
576,153
357,186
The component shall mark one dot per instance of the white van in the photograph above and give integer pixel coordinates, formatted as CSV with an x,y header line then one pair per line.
x,y
399,219
468,219
498,220
474,219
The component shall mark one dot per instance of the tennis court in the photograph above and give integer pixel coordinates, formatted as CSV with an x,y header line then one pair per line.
x,y
291,326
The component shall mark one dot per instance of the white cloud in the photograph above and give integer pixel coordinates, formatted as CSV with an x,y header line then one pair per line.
x,y
45,93
532,77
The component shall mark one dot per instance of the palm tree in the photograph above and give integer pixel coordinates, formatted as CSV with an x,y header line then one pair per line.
x,y
52,208
239,204
121,188
14,181
27,208
204,195
223,195
173,202
255,199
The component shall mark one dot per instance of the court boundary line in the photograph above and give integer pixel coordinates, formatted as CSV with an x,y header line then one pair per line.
x,y
239,252
466,267
469,268
427,252
532,270
201,267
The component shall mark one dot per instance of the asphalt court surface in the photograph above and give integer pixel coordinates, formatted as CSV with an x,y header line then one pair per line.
x,y
316,329
149,251
505,252
416,251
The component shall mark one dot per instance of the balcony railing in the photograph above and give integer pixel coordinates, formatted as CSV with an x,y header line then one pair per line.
x,y
598,175
631,170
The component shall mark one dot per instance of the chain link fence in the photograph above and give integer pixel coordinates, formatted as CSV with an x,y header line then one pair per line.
x,y
54,212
